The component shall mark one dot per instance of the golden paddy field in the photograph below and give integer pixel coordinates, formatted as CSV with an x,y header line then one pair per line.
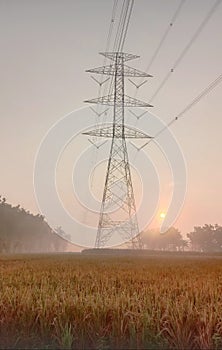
x,y
111,302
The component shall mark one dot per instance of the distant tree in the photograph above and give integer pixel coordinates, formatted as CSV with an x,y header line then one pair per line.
x,y
170,240
60,238
21,231
173,240
207,238
218,236
59,231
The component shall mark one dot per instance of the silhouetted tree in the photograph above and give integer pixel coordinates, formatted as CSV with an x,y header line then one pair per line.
x,y
21,231
59,231
207,238
170,240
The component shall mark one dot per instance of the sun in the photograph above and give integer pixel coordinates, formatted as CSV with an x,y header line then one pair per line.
x,y
162,215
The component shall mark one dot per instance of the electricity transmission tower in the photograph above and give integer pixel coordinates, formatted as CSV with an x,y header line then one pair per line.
x,y
118,208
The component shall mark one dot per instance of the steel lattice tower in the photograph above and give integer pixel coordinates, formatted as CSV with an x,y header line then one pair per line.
x,y
118,209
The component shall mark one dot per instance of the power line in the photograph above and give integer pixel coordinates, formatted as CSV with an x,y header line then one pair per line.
x,y
122,31
197,99
158,48
108,41
187,47
127,25
119,41
200,96
109,36
162,40
108,88
120,28
99,114
111,24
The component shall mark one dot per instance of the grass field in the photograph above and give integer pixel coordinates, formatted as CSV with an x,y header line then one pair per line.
x,y
107,302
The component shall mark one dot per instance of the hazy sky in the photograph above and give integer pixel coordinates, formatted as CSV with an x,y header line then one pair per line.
x,y
46,46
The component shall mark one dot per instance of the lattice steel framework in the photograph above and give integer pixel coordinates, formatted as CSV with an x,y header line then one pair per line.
x,y
118,208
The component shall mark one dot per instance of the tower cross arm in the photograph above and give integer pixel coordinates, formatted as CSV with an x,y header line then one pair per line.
x,y
110,100
111,70
107,131
132,72
119,55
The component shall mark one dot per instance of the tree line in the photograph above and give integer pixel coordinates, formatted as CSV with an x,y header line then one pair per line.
x,y
206,238
21,231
